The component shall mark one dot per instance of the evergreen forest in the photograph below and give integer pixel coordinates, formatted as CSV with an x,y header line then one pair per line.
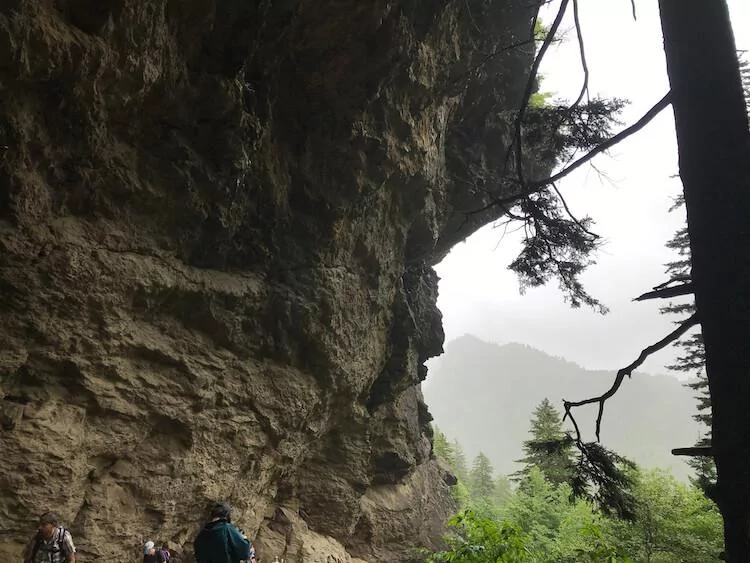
x,y
547,511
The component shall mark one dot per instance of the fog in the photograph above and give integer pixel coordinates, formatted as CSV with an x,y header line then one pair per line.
x,y
628,194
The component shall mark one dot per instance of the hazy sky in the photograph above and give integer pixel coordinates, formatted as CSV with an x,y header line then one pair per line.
x,y
630,204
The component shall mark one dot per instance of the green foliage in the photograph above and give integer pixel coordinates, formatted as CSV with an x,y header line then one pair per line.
x,y
548,521
479,489
673,522
597,475
604,478
442,448
460,466
546,450
482,487
557,131
451,453
481,478
483,540
557,245
460,493
539,99
540,31
561,530
503,491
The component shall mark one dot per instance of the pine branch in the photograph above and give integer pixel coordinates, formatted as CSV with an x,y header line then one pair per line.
x,y
627,371
667,292
573,217
540,185
609,143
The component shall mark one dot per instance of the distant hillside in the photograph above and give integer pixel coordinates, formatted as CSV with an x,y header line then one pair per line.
x,y
483,394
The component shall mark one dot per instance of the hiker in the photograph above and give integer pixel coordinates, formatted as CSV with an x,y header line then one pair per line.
x,y
52,543
163,555
149,552
221,542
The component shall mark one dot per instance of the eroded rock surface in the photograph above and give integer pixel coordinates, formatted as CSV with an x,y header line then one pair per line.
x,y
217,226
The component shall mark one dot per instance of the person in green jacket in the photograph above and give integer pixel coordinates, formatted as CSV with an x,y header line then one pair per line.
x,y
221,542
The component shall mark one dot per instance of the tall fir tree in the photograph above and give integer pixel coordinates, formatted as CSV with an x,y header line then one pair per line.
x,y
452,455
503,490
693,357
460,468
482,479
443,448
547,450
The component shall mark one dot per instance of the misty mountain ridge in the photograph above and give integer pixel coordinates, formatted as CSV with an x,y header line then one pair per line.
x,y
483,394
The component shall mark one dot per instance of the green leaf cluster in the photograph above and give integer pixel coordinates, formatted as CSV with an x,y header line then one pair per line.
x,y
475,539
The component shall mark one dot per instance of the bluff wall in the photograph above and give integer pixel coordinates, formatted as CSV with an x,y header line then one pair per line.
x,y
217,225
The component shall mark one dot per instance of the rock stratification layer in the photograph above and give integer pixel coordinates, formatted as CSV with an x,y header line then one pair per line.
x,y
217,226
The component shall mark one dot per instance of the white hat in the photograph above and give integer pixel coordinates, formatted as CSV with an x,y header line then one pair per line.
x,y
148,546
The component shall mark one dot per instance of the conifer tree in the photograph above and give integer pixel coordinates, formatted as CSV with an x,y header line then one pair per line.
x,y
446,452
460,468
503,491
693,358
443,449
547,450
482,479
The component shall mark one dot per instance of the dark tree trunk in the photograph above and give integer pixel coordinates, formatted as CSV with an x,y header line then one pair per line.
x,y
714,149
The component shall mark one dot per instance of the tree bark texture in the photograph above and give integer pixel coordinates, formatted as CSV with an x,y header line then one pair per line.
x,y
714,156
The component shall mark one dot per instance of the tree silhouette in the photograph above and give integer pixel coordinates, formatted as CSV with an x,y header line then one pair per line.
x,y
714,142
693,358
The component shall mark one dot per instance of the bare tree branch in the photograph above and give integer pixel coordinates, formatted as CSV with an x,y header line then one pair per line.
x,y
582,51
627,371
570,214
488,57
694,451
518,141
682,278
584,66
471,16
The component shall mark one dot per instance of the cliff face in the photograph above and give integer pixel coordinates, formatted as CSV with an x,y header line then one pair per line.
x,y
217,226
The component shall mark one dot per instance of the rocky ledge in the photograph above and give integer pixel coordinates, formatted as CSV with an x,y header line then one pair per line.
x,y
218,220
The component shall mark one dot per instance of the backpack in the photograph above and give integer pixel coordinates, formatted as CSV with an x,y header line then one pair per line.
x,y
166,557
59,544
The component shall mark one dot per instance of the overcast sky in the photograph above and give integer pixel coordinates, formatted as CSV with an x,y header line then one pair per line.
x,y
478,295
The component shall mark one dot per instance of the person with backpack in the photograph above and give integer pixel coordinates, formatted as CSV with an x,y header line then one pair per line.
x,y
163,555
219,541
52,543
